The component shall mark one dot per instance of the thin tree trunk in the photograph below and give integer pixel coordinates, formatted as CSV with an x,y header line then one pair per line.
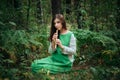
x,y
96,14
39,17
68,6
56,7
91,14
118,15
78,13
17,4
18,7
28,12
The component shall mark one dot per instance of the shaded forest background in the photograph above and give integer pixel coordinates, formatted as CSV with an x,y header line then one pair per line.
x,y
24,32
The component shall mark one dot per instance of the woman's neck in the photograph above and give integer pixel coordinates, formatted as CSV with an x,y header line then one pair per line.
x,y
63,31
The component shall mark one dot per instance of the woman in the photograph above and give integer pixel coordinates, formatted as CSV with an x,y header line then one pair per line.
x,y
62,48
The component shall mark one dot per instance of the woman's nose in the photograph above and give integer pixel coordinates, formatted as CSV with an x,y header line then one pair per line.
x,y
56,25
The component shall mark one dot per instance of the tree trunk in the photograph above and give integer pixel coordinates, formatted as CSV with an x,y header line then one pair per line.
x,y
96,14
78,13
118,15
19,17
17,4
18,7
68,6
28,11
91,14
56,7
39,17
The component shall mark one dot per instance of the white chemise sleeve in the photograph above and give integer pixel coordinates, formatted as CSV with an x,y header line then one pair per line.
x,y
50,50
71,49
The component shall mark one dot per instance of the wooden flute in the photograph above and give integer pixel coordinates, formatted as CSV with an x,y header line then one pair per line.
x,y
55,45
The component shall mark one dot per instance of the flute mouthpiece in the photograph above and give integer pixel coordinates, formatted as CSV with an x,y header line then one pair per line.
x,y
57,31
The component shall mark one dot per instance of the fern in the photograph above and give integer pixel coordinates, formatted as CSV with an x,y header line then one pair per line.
x,y
94,46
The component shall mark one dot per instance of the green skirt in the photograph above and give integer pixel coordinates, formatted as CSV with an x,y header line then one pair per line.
x,y
54,64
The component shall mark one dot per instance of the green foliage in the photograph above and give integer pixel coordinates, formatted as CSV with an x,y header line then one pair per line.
x,y
18,49
23,39
96,47
86,37
90,73
112,34
101,73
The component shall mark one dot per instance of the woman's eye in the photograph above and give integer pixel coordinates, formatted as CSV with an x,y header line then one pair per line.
x,y
58,21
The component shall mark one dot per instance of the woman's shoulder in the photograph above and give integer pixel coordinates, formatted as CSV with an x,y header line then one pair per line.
x,y
68,33
71,34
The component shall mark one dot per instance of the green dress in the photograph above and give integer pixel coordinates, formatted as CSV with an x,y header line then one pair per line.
x,y
57,62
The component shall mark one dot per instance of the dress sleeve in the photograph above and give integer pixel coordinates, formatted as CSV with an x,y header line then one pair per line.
x,y
71,49
50,50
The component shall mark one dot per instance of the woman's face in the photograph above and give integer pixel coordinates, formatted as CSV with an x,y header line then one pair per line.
x,y
58,24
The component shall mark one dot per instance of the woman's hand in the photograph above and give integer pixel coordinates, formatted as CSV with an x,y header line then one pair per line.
x,y
58,42
54,37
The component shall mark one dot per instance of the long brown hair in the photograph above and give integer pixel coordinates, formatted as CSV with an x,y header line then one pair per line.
x,y
53,29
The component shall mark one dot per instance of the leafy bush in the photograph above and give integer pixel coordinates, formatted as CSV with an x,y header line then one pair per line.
x,y
17,50
96,47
